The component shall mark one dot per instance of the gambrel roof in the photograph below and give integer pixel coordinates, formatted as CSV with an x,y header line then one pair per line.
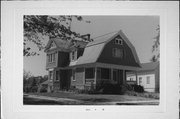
x,y
93,49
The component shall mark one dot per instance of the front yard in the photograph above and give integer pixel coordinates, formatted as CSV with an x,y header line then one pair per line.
x,y
66,98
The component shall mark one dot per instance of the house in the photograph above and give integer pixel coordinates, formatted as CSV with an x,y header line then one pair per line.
x,y
85,65
147,76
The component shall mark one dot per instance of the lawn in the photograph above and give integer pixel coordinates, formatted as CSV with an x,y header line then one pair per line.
x,y
88,98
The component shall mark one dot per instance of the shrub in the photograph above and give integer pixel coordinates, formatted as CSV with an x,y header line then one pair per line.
x,y
129,87
138,88
43,90
34,89
114,89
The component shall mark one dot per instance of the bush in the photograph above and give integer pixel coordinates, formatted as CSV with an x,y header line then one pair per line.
x,y
43,90
138,88
114,89
34,89
129,87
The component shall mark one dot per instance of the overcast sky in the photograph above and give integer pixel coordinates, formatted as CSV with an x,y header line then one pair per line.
x,y
140,31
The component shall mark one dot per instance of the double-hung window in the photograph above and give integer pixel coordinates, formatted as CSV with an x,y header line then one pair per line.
x,y
116,52
51,57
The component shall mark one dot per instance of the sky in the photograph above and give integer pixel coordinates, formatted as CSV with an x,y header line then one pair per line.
x,y
140,31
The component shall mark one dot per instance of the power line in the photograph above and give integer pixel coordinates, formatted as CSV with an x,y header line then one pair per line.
x,y
105,34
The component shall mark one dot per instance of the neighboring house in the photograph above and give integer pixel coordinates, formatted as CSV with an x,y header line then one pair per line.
x,y
81,64
147,76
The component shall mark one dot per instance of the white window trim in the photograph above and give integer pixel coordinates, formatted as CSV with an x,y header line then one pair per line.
x,y
148,80
118,41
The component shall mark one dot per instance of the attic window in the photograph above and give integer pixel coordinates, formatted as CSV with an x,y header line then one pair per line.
x,y
116,52
118,41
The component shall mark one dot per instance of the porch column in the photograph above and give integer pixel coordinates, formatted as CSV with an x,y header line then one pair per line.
x,y
124,77
95,74
84,80
136,78
111,74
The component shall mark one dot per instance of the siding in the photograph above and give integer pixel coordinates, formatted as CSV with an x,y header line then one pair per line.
x,y
106,55
152,87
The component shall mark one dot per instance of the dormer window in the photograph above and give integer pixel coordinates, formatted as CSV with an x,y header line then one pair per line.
x,y
73,55
118,41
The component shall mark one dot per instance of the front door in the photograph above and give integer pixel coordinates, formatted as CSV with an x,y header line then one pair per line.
x,y
64,79
115,75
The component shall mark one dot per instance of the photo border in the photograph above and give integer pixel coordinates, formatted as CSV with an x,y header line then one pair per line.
x,y
13,16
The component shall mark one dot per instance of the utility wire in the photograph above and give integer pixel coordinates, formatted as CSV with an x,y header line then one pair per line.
x,y
105,34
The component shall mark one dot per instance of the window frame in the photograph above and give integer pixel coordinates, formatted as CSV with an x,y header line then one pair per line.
x,y
51,75
140,80
118,41
115,53
73,75
51,57
148,80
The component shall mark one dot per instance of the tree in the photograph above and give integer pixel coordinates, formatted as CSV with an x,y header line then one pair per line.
x,y
37,26
155,47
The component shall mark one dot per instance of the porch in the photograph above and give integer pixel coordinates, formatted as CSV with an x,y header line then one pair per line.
x,y
92,75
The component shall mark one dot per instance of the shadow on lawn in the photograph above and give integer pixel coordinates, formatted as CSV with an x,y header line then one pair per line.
x,y
32,101
96,100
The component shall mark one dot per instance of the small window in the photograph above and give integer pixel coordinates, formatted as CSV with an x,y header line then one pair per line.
x,y
57,75
73,75
117,52
73,55
51,75
140,80
148,80
118,41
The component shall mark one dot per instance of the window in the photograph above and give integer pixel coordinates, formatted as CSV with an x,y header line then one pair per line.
x,y
89,73
105,73
117,52
51,57
73,55
140,80
73,75
51,75
118,41
57,75
148,80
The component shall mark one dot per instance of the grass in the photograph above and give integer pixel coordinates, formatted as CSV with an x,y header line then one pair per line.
x,y
86,98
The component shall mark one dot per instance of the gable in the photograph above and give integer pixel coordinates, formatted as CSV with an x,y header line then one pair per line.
x,y
52,45
122,56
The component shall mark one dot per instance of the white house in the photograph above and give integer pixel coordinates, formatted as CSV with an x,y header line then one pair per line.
x,y
147,76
